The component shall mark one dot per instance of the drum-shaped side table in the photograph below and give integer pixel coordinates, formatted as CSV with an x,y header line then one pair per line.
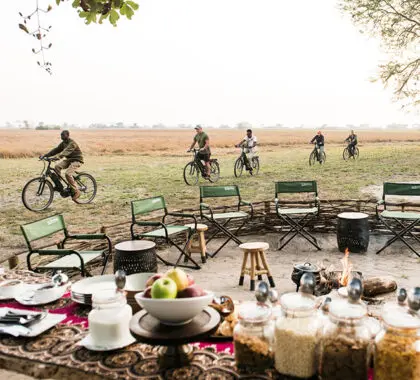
x,y
136,256
353,232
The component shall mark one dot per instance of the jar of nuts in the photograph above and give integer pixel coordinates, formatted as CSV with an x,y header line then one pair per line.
x,y
253,337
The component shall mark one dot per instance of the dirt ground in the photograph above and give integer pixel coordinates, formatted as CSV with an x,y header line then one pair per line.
x,y
221,274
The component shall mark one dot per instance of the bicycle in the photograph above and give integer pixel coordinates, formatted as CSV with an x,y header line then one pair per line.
x,y
194,168
316,156
347,154
240,164
38,193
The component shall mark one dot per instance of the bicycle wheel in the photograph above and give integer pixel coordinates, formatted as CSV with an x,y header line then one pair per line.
x,y
255,163
323,158
239,167
346,154
87,187
214,171
312,158
356,152
191,173
37,194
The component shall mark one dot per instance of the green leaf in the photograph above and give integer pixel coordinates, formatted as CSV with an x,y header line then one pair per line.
x,y
83,14
57,2
123,9
103,17
113,17
129,12
75,3
133,5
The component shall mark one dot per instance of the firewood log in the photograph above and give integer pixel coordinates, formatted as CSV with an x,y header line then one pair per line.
x,y
373,286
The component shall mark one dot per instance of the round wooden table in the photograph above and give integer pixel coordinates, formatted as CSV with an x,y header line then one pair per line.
x,y
176,352
135,256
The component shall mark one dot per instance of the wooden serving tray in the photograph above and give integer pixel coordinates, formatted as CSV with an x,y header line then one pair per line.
x,y
148,329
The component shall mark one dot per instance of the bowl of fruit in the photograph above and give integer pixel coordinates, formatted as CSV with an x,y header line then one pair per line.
x,y
173,297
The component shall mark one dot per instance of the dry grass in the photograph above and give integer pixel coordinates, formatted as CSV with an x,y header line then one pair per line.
x,y
31,143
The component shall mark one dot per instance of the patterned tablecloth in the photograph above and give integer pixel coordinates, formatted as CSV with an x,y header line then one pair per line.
x,y
57,354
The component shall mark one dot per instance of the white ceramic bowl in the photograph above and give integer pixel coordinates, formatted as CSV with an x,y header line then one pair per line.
x,y
136,282
175,311
51,293
11,288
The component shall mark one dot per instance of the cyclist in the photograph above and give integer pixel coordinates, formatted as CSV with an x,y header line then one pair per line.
x,y
249,142
73,159
319,138
352,140
204,144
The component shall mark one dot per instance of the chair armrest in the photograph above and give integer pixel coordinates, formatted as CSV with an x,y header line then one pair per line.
x,y
318,203
181,215
152,224
60,252
244,203
87,236
99,236
206,206
149,224
379,203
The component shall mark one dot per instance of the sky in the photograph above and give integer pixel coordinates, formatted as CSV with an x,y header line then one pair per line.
x,y
197,61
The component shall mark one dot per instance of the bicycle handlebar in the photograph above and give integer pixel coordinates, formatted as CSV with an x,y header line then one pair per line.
x,y
41,158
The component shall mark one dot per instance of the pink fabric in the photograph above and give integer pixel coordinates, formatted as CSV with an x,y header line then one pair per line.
x,y
69,310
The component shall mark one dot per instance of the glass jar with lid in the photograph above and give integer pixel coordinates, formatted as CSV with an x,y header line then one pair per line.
x,y
253,337
397,346
346,341
109,318
295,335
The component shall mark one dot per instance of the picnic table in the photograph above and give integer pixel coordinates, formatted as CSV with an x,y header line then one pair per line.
x,y
57,354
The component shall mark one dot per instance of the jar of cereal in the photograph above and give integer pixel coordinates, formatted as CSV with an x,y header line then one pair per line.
x,y
295,335
345,341
397,346
253,337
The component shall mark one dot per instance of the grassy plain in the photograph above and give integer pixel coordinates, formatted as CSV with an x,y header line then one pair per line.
x,y
135,164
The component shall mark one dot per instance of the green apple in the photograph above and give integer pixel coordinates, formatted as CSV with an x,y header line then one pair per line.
x,y
164,288
179,276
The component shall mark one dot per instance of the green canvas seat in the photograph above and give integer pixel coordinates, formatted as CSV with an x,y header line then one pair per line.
x,y
289,211
161,231
221,219
404,221
69,258
296,217
230,215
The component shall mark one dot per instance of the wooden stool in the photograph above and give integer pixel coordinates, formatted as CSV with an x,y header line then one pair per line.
x,y
197,243
257,253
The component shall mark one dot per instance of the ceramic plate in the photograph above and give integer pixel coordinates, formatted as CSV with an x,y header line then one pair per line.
x,y
31,298
88,344
81,291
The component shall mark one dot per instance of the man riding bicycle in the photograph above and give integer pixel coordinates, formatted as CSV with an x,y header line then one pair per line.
x,y
73,159
319,139
204,144
249,142
352,140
